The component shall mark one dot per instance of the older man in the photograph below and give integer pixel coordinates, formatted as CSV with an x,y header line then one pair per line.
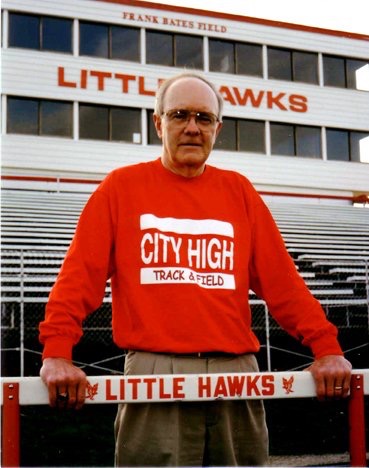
x,y
183,242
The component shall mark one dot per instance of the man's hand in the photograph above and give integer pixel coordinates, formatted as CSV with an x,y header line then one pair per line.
x,y
66,383
332,376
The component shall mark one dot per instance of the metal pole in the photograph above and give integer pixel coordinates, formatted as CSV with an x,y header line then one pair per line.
x,y
357,422
11,425
21,318
267,337
367,287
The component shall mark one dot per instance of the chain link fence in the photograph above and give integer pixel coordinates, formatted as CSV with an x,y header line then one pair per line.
x,y
28,275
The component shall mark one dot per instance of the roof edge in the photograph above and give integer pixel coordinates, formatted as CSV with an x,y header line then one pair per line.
x,y
234,17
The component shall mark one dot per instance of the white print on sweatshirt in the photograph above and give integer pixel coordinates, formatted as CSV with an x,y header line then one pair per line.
x,y
187,251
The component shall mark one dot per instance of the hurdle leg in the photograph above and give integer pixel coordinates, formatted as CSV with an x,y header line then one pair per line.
x,y
357,421
11,424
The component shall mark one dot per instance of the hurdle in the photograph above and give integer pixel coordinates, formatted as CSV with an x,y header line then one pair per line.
x,y
18,391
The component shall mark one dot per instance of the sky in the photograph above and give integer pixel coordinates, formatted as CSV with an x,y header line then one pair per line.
x,y
341,15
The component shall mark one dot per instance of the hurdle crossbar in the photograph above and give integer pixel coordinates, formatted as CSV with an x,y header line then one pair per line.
x,y
17,391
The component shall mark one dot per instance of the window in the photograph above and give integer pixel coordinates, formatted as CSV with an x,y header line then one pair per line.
x,y
344,145
345,73
39,117
221,56
24,31
338,145
113,42
292,65
109,123
357,74
251,136
334,71
188,51
125,44
56,118
57,34
40,33
305,67
177,50
159,48
125,124
241,135
22,116
279,64
93,40
249,59
152,135
308,141
235,57
227,138
295,140
282,136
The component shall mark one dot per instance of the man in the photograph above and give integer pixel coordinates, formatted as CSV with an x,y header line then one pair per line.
x,y
183,242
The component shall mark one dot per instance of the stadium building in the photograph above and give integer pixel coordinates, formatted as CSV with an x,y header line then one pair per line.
x,y
78,85
79,79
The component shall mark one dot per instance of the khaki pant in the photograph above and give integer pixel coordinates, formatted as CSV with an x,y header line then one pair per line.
x,y
216,433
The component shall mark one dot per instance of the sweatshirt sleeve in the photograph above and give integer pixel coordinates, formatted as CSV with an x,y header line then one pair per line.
x,y
274,277
80,286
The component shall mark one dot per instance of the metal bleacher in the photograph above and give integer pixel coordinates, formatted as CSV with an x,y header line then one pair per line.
x,y
329,244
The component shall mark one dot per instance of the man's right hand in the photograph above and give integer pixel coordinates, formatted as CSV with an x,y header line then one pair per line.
x,y
66,383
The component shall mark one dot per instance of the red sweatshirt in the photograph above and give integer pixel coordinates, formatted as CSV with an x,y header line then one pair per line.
x,y
182,254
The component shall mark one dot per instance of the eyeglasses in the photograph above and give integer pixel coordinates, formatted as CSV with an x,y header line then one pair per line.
x,y
181,117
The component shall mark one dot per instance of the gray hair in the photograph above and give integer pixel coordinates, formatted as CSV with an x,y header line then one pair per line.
x,y
163,88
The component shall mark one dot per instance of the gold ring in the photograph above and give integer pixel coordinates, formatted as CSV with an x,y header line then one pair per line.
x,y
63,396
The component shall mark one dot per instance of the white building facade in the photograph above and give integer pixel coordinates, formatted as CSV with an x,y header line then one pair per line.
x,y
79,79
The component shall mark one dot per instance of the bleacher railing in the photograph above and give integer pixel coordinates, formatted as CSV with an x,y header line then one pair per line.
x,y
17,391
28,275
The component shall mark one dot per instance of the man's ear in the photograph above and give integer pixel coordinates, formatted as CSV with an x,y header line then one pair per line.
x,y
158,122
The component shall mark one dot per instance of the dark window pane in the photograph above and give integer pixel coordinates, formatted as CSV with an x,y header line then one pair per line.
x,y
282,136
227,138
22,116
188,51
249,59
334,71
126,125
56,118
355,75
125,43
305,67
24,31
93,122
93,40
221,56
251,136
359,149
308,142
57,34
159,48
279,64
338,145
152,135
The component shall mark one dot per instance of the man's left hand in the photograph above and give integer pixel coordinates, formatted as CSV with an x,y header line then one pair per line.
x,y
332,376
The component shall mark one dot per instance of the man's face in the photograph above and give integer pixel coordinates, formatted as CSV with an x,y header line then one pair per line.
x,y
187,143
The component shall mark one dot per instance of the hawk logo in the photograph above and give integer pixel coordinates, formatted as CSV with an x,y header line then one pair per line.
x,y
91,390
287,385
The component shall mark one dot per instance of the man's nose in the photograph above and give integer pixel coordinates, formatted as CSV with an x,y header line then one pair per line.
x,y
191,124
